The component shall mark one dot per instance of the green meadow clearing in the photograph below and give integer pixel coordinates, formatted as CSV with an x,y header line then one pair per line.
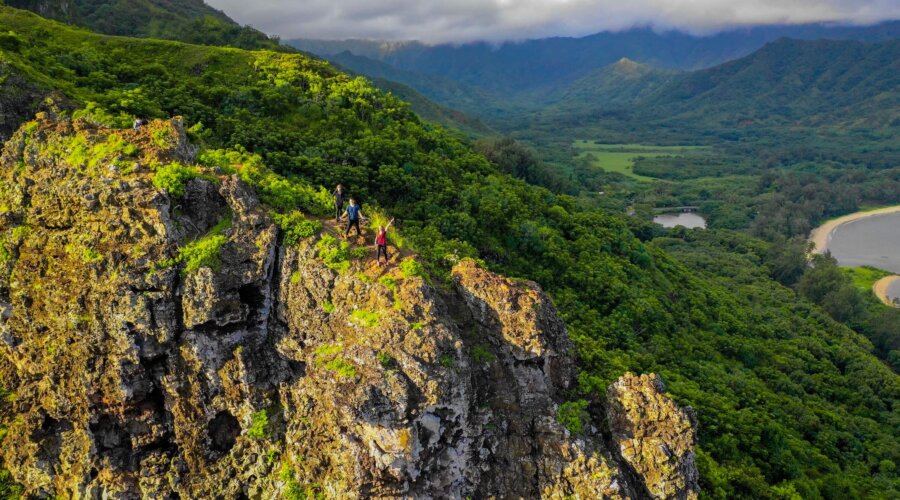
x,y
620,158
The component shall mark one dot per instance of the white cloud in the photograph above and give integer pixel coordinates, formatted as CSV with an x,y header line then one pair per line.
x,y
438,21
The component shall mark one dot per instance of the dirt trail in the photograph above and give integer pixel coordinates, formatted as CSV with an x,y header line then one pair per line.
x,y
366,239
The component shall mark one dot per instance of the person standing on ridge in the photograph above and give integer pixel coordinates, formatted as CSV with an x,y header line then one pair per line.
x,y
338,196
381,244
353,214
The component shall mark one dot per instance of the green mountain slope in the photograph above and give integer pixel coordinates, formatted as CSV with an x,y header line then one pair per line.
x,y
189,21
787,88
193,21
790,402
428,110
620,84
811,82
441,90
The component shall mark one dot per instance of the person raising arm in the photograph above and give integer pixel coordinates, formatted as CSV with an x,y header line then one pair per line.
x,y
381,243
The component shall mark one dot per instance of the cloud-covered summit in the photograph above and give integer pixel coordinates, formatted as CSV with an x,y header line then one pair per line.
x,y
438,21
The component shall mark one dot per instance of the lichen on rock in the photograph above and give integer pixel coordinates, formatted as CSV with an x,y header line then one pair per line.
x,y
654,436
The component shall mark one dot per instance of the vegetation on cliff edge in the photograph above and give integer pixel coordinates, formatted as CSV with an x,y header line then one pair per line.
x,y
790,402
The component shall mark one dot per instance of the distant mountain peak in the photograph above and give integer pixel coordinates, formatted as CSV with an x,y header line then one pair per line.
x,y
629,68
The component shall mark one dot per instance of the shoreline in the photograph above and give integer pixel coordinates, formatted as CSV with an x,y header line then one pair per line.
x,y
882,286
821,235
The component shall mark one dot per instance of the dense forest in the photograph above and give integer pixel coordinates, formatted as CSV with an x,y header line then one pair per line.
x,y
191,21
792,402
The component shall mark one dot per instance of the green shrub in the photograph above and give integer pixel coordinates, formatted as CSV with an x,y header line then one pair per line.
x,y
573,415
202,253
481,354
342,368
328,307
89,256
173,177
98,115
389,283
274,190
325,350
5,254
10,41
293,490
296,227
327,355
362,317
446,361
162,137
9,490
335,254
411,267
359,253
386,361
259,425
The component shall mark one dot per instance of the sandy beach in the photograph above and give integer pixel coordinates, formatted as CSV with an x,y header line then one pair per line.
x,y
882,286
821,235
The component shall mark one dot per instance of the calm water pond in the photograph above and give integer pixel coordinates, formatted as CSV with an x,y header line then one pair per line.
x,y
873,241
688,220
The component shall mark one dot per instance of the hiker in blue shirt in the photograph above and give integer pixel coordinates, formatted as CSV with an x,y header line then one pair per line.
x,y
353,214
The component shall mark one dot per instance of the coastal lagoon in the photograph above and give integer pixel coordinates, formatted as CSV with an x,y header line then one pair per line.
x,y
869,241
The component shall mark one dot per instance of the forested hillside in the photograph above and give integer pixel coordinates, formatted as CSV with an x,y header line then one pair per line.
x,y
788,84
791,403
191,21
438,89
808,83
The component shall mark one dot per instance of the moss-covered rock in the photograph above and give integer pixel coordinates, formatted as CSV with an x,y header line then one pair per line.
x,y
161,342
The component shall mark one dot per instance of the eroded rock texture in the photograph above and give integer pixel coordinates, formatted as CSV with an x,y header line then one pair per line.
x,y
655,437
265,373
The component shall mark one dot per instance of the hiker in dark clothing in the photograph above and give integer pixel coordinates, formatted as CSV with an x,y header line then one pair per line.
x,y
353,214
381,243
338,196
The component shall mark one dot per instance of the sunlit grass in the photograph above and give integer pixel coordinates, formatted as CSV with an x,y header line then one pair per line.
x,y
619,158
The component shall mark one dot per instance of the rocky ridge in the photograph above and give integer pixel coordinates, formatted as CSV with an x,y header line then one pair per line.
x,y
268,373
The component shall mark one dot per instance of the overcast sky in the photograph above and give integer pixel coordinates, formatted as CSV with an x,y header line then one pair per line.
x,y
436,21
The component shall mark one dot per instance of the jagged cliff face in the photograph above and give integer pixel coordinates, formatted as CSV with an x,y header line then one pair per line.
x,y
268,373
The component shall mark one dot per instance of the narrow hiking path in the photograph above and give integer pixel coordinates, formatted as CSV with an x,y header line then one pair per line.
x,y
366,240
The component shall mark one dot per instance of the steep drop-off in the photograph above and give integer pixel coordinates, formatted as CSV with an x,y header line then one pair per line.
x,y
262,370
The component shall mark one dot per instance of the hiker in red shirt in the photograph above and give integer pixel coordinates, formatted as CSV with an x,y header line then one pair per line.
x,y
381,243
